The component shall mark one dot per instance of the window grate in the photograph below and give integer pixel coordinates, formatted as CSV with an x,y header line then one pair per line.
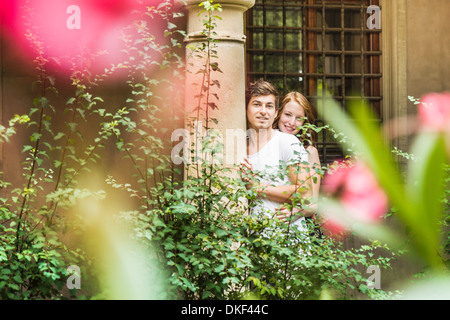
x,y
313,45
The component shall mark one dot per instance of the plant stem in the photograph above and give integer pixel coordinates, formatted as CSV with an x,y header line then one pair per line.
x,y
33,166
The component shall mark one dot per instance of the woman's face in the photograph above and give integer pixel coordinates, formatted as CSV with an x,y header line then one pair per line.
x,y
291,118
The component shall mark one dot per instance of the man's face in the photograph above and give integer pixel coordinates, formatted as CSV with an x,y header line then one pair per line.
x,y
261,112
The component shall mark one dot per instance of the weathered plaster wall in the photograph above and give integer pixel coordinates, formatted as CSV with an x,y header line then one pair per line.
x,y
428,40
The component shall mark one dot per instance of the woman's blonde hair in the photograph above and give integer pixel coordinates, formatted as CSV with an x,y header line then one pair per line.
x,y
308,136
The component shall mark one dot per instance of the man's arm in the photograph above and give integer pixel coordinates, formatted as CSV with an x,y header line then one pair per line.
x,y
310,209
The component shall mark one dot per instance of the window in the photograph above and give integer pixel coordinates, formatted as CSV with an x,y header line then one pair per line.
x,y
313,45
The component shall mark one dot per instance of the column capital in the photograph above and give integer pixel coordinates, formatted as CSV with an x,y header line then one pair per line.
x,y
230,28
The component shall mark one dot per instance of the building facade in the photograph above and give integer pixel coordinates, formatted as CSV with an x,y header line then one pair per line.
x,y
346,46
382,50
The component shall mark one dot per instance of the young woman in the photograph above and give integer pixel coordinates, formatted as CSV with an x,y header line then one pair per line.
x,y
295,112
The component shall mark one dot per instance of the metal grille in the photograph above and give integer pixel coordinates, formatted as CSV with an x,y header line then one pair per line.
x,y
313,45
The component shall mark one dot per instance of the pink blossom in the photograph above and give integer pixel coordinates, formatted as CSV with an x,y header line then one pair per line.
x,y
359,193
336,173
434,111
66,29
333,229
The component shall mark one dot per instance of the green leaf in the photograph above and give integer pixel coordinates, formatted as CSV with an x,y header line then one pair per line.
x,y
425,190
26,148
426,174
219,268
57,163
59,136
13,286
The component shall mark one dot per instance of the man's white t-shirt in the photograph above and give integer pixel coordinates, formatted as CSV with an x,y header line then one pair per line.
x,y
270,165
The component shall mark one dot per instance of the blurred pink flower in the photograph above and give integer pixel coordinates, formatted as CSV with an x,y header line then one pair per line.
x,y
333,229
359,193
67,30
434,111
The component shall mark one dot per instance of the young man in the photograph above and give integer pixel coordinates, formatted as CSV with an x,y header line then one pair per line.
x,y
276,160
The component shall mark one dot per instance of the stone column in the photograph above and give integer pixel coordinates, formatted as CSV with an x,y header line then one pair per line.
x,y
225,105
395,75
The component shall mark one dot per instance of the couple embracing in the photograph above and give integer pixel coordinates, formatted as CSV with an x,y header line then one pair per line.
x,y
278,163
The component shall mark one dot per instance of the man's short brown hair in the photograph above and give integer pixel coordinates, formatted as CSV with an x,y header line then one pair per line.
x,y
261,88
